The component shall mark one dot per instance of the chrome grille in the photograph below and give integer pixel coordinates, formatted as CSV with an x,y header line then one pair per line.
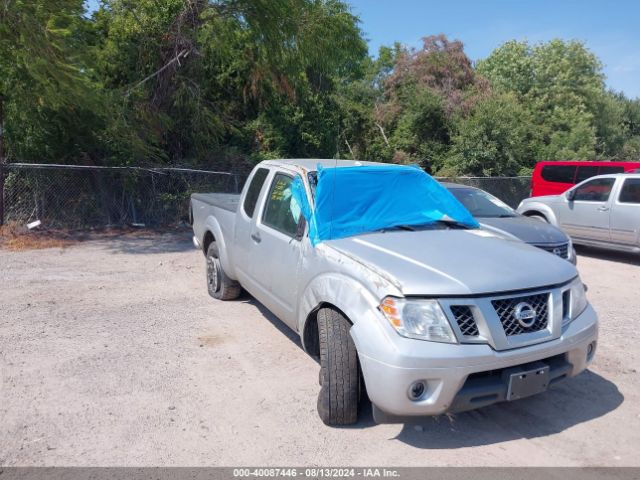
x,y
505,308
562,250
464,319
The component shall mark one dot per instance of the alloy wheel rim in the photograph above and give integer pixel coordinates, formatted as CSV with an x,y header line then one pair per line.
x,y
213,274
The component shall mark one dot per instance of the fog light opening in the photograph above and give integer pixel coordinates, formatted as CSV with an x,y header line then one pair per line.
x,y
417,390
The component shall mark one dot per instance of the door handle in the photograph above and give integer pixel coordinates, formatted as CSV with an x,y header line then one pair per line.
x,y
603,209
256,237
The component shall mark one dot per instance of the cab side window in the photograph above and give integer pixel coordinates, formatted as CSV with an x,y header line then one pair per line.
x,y
282,212
253,192
597,190
630,192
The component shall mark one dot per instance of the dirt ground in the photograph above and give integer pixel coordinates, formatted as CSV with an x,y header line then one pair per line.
x,y
112,353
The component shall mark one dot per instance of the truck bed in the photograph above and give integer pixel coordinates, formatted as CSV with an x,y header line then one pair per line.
x,y
226,201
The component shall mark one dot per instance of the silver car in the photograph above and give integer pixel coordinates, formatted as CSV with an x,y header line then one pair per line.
x,y
496,216
603,211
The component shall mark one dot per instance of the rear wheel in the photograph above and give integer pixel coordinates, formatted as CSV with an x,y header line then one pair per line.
x,y
339,372
220,286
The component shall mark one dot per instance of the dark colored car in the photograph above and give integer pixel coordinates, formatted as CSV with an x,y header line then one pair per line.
x,y
496,216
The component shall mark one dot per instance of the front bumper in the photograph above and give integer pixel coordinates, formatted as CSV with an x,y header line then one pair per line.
x,y
463,377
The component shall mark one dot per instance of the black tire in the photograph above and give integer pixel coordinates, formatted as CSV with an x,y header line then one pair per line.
x,y
220,286
339,372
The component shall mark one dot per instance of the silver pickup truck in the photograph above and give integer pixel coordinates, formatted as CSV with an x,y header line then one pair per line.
x,y
422,319
602,211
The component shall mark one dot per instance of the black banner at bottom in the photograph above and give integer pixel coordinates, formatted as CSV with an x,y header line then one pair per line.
x,y
288,473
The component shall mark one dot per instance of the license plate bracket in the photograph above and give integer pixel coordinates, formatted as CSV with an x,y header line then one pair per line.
x,y
527,381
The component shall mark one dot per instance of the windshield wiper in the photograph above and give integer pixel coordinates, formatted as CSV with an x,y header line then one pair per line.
x,y
415,228
452,223
398,227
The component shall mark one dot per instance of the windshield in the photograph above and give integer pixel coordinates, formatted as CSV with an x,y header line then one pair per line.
x,y
356,200
482,204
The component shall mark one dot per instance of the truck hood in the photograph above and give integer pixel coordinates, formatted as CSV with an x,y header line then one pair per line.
x,y
452,262
525,229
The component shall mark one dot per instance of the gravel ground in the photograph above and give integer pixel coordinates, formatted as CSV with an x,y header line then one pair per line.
x,y
112,353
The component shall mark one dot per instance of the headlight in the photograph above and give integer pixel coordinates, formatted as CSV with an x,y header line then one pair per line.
x,y
420,319
578,299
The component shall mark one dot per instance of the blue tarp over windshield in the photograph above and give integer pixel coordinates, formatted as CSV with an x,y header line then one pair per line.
x,y
355,200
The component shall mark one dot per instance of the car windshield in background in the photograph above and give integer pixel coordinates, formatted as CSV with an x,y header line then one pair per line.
x,y
481,204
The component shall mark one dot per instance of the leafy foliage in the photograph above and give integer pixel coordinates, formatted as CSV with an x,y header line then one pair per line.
x,y
43,87
224,83
561,85
497,138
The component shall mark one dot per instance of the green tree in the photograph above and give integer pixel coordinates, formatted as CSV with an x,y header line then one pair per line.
x,y
631,121
217,82
47,102
425,91
422,131
251,75
497,139
510,68
358,101
562,85
611,130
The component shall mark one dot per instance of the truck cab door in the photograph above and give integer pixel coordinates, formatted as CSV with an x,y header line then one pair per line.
x,y
585,210
244,226
276,249
625,214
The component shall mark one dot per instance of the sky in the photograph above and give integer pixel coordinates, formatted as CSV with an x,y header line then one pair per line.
x,y
609,28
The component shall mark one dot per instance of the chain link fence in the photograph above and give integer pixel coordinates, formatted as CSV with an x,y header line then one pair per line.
x,y
511,190
82,197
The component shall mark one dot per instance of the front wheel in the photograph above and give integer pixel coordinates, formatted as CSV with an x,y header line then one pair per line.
x,y
339,372
220,286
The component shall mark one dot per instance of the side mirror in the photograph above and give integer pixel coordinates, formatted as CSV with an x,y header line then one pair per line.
x,y
302,223
571,194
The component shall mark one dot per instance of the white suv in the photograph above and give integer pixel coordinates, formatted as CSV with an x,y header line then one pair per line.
x,y
602,211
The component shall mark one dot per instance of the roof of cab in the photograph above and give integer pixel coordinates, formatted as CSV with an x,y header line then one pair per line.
x,y
312,163
615,175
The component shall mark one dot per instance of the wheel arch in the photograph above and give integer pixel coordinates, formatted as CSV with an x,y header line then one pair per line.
x,y
213,233
207,240
541,211
310,336
346,295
